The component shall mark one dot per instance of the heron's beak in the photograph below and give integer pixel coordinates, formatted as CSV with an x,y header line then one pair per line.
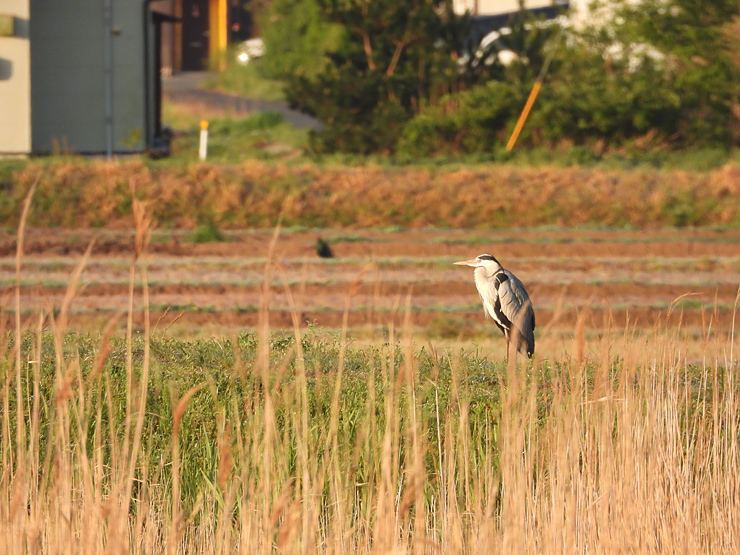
x,y
473,262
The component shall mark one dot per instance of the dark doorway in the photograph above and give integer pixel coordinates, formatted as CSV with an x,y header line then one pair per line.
x,y
241,25
158,141
194,35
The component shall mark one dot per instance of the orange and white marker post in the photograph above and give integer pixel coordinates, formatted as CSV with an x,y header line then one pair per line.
x,y
203,150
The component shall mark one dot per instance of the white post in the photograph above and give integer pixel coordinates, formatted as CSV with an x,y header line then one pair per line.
x,y
203,150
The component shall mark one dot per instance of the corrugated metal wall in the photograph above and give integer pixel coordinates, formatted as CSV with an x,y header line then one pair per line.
x,y
68,83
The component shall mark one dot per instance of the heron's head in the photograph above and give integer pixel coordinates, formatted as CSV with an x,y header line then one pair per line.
x,y
482,261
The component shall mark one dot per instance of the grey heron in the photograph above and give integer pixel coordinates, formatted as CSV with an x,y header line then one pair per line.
x,y
505,300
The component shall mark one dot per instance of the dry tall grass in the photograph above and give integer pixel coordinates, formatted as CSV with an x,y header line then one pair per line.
x,y
584,456
81,194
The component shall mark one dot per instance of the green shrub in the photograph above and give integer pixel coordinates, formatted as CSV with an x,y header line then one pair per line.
x,y
245,80
207,232
474,121
297,39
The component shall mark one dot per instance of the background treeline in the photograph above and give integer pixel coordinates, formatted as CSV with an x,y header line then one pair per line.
x,y
408,78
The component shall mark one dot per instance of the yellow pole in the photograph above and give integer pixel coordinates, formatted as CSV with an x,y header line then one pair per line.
x,y
223,24
533,95
524,114
217,31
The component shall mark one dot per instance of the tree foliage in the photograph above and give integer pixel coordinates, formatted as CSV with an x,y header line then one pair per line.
x,y
606,89
296,38
386,76
698,64
396,54
658,73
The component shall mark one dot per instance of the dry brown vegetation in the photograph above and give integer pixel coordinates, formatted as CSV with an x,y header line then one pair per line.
x,y
639,460
256,195
621,446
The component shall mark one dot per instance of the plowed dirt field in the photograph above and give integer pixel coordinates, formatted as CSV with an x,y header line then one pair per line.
x,y
640,281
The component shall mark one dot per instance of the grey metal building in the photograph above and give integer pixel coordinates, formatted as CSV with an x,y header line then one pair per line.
x,y
89,73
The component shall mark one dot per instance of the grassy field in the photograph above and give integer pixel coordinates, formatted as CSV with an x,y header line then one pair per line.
x,y
302,441
284,444
231,139
122,433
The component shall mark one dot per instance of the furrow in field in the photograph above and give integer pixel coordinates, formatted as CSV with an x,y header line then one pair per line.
x,y
458,295
447,324
634,276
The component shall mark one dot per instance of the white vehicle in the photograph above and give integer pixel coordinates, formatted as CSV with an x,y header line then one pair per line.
x,y
493,47
250,49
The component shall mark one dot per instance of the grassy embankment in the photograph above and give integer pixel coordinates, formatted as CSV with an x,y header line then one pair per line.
x,y
303,443
76,193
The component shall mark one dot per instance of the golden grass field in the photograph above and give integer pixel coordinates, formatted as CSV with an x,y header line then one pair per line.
x,y
397,426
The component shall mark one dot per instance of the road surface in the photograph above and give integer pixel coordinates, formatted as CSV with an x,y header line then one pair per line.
x,y
185,87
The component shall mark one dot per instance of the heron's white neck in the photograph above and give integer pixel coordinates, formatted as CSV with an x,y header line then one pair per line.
x,y
482,277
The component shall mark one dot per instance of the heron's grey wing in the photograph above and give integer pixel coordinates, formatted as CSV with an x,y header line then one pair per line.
x,y
517,307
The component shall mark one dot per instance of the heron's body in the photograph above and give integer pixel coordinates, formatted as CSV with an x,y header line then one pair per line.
x,y
505,300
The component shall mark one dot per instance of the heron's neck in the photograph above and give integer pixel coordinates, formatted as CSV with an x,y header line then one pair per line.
x,y
483,273
482,279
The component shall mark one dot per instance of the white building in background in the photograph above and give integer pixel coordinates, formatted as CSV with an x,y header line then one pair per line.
x,y
579,10
499,7
491,18
15,78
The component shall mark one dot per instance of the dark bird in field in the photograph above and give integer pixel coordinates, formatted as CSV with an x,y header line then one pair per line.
x,y
323,249
505,300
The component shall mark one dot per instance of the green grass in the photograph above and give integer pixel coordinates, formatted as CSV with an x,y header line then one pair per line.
x,y
307,440
335,239
244,80
265,417
231,139
700,159
207,232
228,368
302,441
247,81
